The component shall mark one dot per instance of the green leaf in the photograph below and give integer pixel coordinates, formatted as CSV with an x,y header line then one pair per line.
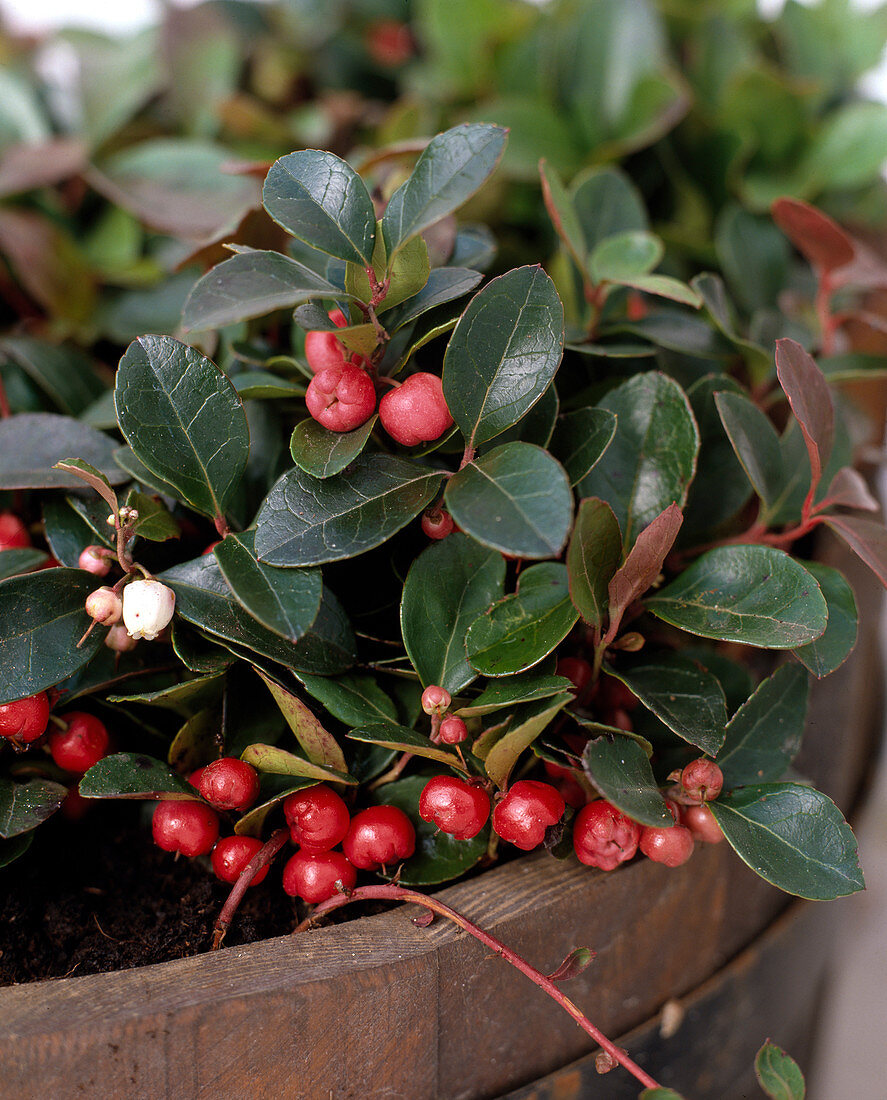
x,y
323,453
185,698
454,165
529,722
686,697
321,200
42,618
252,284
607,203
511,690
753,255
14,848
23,806
438,856
660,1094
503,353
449,584
714,298
32,443
196,742
563,214
283,600
755,442
620,770
517,632
444,284
134,775
764,736
625,256
652,458
262,385
663,286
593,556
318,744
183,420
778,1074
515,499
404,739
832,648
792,836
407,275
306,520
354,700
269,758
64,373
751,594
17,561
204,599
155,522
128,461
580,439
643,563
849,149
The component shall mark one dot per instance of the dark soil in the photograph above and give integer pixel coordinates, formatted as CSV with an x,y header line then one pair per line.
x,y
101,896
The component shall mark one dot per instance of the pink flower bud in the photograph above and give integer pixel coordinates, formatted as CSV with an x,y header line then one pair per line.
x,y
118,640
104,606
95,560
435,700
147,608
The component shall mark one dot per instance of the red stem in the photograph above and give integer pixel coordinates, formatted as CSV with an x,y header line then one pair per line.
x,y
259,860
399,893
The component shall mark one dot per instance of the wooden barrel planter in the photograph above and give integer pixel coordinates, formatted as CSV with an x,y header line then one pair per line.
x,y
378,1007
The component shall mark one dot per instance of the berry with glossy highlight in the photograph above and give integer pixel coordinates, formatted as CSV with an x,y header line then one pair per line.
x,y
702,780
232,854
526,812
191,828
317,817
702,824
455,807
672,846
435,700
437,523
416,412
604,836
25,719
82,744
13,533
95,560
453,730
229,784
312,876
379,836
341,398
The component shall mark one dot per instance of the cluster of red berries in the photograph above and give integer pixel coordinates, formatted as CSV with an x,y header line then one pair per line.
x,y
341,396
76,741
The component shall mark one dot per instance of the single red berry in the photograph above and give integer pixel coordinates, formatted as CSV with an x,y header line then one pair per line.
x,y
636,309
232,854
75,806
455,807
184,826
672,846
389,42
229,784
323,351
702,824
526,811
437,523
378,837
82,744
415,412
13,533
318,819
341,398
312,876
435,700
194,777
702,780
453,730
95,560
577,670
604,836
25,720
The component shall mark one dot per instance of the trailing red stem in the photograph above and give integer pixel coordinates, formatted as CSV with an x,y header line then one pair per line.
x,y
259,860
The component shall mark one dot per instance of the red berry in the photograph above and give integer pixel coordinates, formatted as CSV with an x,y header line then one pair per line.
x,y
184,826
25,720
672,846
621,719
415,412
435,700
95,560
577,670
702,780
194,777
338,318
389,42
604,836
437,523
455,807
323,351
379,836
232,854
313,876
229,784
75,806
318,819
453,730
81,745
526,811
13,533
341,398
701,823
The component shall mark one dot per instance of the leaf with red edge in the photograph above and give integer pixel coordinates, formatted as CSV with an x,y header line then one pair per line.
x,y
821,240
593,557
867,539
811,401
644,562
849,490
579,959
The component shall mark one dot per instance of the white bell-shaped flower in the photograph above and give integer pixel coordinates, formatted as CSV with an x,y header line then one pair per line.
x,y
147,608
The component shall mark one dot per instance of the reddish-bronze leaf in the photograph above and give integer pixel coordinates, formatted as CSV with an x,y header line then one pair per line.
x,y
579,959
644,562
811,401
849,490
866,539
821,240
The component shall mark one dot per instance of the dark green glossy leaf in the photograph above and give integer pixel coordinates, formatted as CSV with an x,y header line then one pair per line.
x,y
511,690
285,601
66,531
354,700
134,775
64,373
42,618
538,424
454,165
269,758
449,584
197,651
307,520
755,442
503,353
438,856
23,806
262,385
764,735
778,1074
593,556
832,648
320,199
18,561
195,744
620,770
323,453
515,499
714,297
14,848
517,632
624,256
475,247
607,203
185,698
652,458
719,488
751,594
563,214
251,284
183,419
32,443
155,521
318,744
129,462
792,836
530,720
687,698
733,676
580,439
445,284
753,255
404,739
